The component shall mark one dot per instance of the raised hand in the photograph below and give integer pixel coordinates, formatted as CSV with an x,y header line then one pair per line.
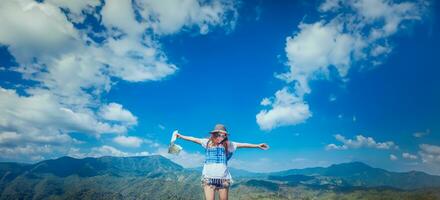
x,y
177,134
263,146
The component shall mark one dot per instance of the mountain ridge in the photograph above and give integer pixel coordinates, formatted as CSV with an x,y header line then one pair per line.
x,y
156,177
351,173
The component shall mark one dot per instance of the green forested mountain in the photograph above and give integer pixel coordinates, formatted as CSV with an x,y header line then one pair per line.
x,y
360,174
155,177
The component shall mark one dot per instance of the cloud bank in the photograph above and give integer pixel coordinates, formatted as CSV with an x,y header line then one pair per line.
x,y
71,53
353,33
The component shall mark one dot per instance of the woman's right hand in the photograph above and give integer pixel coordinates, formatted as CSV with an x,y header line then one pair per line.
x,y
178,135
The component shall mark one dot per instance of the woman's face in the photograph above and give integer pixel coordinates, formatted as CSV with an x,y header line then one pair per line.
x,y
218,137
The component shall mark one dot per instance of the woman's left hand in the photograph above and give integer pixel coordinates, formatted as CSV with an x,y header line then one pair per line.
x,y
263,146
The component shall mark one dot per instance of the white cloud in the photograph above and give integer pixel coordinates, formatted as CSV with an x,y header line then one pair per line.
x,y
51,33
332,98
28,123
76,8
409,156
335,147
42,114
128,141
68,70
151,143
120,14
161,127
184,158
429,153
286,109
393,157
422,133
104,150
14,138
380,50
316,47
354,31
432,149
265,102
330,5
115,112
170,16
132,55
360,141
28,152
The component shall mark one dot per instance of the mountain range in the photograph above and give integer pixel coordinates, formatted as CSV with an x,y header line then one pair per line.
x,y
156,177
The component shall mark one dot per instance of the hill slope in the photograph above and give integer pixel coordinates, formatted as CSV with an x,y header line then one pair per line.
x,y
360,174
156,177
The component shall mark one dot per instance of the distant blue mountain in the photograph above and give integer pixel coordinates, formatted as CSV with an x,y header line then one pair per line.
x,y
361,174
346,174
87,167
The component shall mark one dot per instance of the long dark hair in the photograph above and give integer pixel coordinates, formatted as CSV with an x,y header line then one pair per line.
x,y
225,143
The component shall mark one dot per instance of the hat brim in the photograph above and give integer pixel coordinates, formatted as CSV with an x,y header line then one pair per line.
x,y
216,131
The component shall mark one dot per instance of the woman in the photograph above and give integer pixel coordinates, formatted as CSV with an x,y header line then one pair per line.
x,y
218,150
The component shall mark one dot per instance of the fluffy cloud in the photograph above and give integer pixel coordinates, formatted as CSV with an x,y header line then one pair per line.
x,y
115,112
421,133
162,127
76,8
393,157
170,16
409,156
286,109
128,141
28,152
19,18
429,153
360,141
14,138
42,113
184,158
332,97
29,123
350,32
104,150
151,143
68,69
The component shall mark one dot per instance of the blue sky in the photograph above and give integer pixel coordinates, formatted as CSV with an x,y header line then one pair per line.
x,y
321,82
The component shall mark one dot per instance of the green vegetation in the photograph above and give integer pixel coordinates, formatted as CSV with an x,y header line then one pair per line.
x,y
155,177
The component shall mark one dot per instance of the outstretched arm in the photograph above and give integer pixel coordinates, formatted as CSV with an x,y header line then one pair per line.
x,y
189,138
263,146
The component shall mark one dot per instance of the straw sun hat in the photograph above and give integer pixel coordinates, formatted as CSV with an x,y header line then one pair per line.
x,y
219,128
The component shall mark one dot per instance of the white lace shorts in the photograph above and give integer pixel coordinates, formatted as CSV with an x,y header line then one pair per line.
x,y
216,183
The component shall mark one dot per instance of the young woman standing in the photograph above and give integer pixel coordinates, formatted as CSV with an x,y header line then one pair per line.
x,y
218,150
